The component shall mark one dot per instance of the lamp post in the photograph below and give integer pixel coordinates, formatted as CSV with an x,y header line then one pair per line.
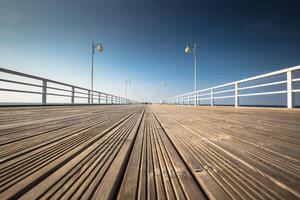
x,y
165,83
100,48
189,50
128,82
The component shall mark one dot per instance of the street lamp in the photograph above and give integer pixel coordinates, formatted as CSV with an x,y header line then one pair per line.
x,y
100,48
189,50
127,82
165,83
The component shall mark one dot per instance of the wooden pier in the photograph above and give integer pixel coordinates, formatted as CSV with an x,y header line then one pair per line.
x,y
149,152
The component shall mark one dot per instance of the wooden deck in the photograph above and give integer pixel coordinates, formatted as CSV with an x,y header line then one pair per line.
x,y
149,152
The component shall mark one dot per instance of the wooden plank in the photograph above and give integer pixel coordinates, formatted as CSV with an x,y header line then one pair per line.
x,y
130,183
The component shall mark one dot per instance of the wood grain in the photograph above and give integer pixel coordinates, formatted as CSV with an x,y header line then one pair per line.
x,y
149,152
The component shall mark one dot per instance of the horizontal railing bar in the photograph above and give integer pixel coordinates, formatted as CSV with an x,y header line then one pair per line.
x,y
36,77
55,94
54,88
76,92
200,95
262,93
224,91
21,83
204,98
224,97
102,96
270,74
20,74
262,85
220,86
20,91
66,84
296,90
98,98
296,79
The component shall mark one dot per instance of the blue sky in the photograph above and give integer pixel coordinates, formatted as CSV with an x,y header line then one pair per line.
x,y
144,41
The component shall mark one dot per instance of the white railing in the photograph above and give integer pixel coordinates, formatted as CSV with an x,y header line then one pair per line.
x,y
62,90
195,98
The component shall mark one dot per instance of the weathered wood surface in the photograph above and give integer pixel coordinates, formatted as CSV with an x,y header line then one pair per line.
x,y
149,152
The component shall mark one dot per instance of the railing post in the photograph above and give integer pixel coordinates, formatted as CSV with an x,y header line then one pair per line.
x,y
290,94
44,95
99,98
73,95
106,98
188,99
211,97
89,96
196,99
236,97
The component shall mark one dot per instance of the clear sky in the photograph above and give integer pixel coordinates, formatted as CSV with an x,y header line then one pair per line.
x,y
144,41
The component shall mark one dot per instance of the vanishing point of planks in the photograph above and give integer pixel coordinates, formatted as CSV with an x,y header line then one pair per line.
x,y
149,152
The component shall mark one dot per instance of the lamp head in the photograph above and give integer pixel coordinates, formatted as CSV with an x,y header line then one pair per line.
x,y
187,49
100,48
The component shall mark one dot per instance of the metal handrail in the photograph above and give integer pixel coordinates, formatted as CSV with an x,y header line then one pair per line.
x,y
103,98
195,96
